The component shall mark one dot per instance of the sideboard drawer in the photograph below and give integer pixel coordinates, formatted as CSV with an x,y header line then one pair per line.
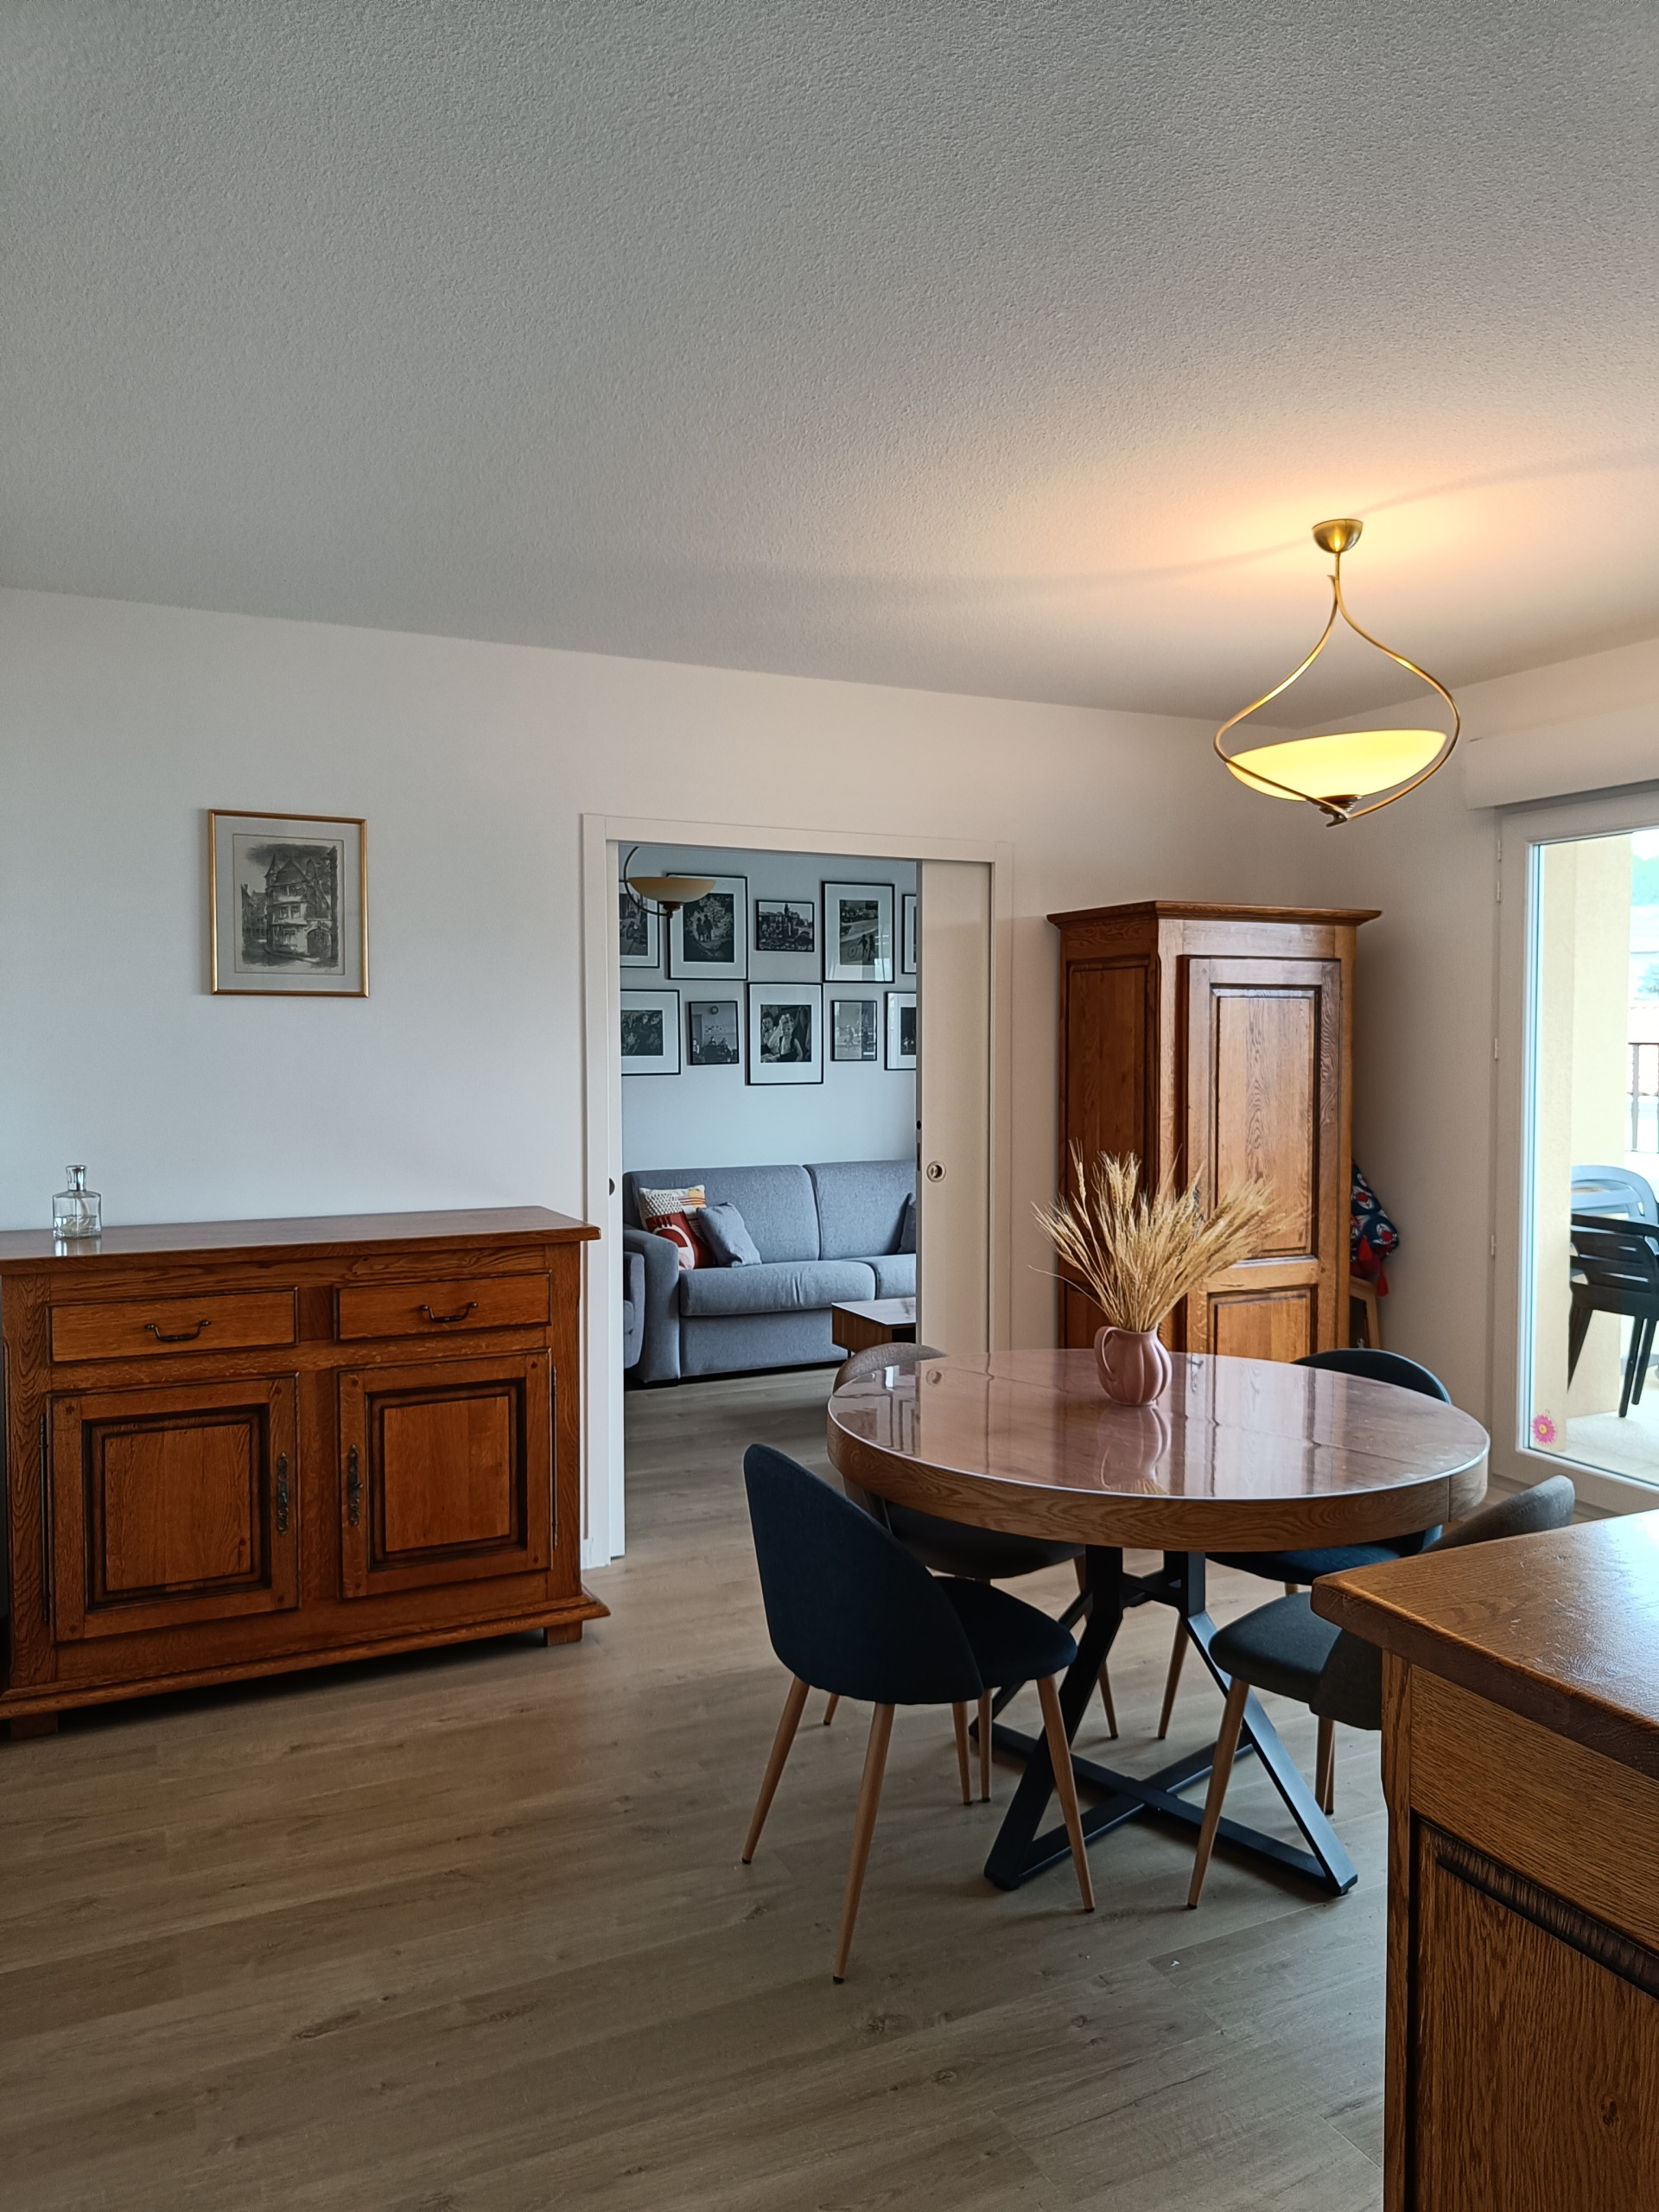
x,y
438,1309
139,1328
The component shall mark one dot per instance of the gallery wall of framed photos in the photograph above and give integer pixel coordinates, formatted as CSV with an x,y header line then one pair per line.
x,y
774,1020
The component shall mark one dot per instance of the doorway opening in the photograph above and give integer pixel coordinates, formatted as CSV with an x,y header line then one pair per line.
x,y
779,1053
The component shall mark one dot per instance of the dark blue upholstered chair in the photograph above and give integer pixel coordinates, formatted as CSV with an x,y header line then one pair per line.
x,y
956,1547
1286,1647
1292,1568
847,1610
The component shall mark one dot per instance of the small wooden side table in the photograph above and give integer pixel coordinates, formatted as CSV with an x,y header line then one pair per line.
x,y
865,1321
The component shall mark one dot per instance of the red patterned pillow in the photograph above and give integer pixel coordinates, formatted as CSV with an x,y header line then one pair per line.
x,y
667,1213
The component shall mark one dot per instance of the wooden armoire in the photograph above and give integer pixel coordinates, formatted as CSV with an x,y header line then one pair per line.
x,y
1216,1042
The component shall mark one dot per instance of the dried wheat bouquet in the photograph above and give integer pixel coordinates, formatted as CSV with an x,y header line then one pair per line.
x,y
1137,1255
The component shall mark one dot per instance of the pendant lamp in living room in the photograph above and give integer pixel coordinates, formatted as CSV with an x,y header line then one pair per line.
x,y
663,895
1335,771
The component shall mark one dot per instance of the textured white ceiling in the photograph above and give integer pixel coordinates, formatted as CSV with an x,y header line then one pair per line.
x,y
1007,349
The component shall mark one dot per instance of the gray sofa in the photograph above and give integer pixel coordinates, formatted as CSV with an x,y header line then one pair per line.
x,y
825,1234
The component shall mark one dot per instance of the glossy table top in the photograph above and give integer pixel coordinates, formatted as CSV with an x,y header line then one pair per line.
x,y
1238,1454
1561,1627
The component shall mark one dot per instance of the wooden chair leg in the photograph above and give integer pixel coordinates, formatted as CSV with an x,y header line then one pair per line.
x,y
1066,1783
830,1709
870,1797
1174,1680
1232,1719
984,1746
959,1715
1106,1699
1324,1772
1291,1588
794,1705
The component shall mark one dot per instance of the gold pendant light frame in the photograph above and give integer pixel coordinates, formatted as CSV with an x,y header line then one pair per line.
x,y
1335,537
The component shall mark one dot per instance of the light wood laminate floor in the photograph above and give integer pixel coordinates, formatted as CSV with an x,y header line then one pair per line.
x,y
470,1930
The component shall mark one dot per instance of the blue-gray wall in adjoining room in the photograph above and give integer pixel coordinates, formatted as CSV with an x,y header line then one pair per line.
x,y
860,1111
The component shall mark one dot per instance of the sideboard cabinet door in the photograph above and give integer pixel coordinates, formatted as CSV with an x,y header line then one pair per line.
x,y
446,1472
172,1506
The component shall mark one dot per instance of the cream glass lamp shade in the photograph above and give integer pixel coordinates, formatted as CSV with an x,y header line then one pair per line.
x,y
671,890
1338,768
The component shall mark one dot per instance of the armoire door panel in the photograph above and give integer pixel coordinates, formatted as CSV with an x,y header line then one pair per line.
x,y
446,1472
1263,1098
1263,1325
171,1506
1265,1117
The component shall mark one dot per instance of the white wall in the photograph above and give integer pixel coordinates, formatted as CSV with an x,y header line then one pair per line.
x,y
459,1081
714,1118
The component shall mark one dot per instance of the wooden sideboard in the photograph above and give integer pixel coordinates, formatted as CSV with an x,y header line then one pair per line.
x,y
233,1448
1521,1760
1216,1044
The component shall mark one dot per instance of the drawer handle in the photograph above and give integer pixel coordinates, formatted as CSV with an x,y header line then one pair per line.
x,y
184,1335
471,1307
282,1493
353,1489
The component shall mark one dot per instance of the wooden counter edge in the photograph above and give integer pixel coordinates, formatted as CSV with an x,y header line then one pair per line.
x,y
312,1235
1360,1599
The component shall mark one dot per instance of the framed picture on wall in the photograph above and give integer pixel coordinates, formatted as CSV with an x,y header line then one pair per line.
x,y
858,932
786,1032
711,1033
853,1025
709,940
650,1032
638,932
289,905
901,1029
785,925
907,934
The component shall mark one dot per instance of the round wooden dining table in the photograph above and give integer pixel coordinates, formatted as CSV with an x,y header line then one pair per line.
x,y
1237,1455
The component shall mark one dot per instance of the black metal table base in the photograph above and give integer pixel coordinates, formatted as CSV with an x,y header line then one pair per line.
x,y
1021,1851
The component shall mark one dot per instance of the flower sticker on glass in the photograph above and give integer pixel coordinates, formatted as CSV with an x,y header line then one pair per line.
x,y
1543,1430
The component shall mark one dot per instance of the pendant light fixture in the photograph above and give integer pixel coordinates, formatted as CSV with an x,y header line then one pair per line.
x,y
663,895
1335,771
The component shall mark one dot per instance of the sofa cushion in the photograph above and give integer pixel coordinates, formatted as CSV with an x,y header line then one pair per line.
x,y
776,1203
726,1233
776,1286
860,1204
895,1273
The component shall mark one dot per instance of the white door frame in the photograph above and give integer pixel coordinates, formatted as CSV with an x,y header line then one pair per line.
x,y
1519,832
603,1526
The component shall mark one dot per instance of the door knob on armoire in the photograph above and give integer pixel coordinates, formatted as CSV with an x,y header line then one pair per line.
x,y
936,1171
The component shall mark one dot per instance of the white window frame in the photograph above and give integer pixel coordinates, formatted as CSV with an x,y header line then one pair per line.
x,y
1521,833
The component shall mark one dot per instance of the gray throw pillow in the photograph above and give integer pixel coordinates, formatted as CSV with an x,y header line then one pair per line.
x,y
907,1228
724,1229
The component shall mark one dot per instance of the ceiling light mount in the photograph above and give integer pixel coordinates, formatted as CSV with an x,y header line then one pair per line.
x,y
1335,771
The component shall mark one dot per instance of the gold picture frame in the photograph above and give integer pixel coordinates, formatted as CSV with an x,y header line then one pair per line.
x,y
288,906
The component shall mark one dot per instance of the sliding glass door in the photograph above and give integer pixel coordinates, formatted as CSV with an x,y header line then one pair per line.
x,y
1588,1303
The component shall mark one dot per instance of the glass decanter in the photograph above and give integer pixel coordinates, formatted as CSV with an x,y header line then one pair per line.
x,y
77,1212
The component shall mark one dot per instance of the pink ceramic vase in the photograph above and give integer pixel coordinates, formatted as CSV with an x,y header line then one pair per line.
x,y
1132,1364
